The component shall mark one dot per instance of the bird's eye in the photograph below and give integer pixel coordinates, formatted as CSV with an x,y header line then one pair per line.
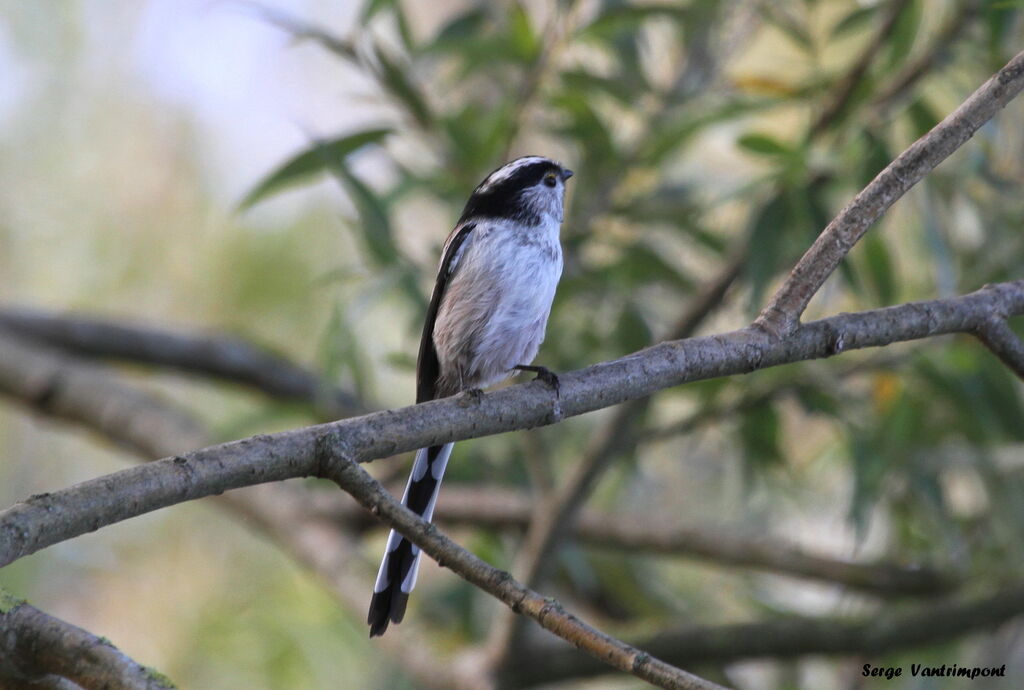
x,y
550,180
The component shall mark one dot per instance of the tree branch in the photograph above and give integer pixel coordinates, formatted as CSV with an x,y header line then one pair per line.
x,y
34,646
547,612
998,337
44,520
783,312
224,358
97,398
883,633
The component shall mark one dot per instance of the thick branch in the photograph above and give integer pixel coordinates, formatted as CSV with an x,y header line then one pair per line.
x,y
96,397
34,645
884,633
225,358
44,520
782,314
998,337
547,612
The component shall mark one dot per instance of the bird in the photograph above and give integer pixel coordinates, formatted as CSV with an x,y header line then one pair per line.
x,y
486,320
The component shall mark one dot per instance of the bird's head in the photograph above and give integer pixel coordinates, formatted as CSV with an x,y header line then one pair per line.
x,y
528,190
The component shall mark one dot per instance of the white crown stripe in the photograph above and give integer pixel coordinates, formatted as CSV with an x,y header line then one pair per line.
x,y
509,169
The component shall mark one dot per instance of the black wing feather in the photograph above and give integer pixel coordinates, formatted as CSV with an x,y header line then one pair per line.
x,y
427,366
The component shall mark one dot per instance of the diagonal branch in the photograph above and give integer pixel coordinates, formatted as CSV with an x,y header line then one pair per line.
x,y
225,358
782,314
35,645
44,520
998,337
548,613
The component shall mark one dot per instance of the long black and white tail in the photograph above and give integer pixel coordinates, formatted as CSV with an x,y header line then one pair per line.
x,y
397,574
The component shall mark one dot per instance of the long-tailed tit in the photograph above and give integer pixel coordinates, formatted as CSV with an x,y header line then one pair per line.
x,y
486,320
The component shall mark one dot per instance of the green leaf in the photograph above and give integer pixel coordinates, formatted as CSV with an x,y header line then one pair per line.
x,y
340,351
790,27
374,220
373,7
853,21
585,125
579,80
313,160
463,27
766,233
1003,396
818,399
763,144
662,143
404,30
923,117
876,157
395,79
879,265
301,30
629,17
632,330
525,42
759,433
642,265
904,34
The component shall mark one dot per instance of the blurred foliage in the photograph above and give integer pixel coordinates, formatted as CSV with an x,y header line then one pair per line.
x,y
691,127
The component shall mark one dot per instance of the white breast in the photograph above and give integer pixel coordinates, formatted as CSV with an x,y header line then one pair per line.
x,y
495,309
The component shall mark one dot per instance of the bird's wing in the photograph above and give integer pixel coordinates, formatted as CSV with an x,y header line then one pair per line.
x,y
427,366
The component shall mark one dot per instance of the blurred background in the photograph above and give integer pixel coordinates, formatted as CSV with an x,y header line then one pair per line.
x,y
287,172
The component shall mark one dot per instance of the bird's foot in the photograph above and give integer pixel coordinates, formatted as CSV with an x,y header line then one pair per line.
x,y
472,395
544,374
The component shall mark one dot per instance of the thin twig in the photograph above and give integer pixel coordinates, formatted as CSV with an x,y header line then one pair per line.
x,y
783,312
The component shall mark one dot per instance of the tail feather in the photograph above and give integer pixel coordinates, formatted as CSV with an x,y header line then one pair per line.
x,y
397,574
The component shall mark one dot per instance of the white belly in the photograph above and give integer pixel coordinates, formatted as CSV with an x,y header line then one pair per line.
x,y
495,310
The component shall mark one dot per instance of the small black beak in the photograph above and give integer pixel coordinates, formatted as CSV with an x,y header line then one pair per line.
x,y
566,174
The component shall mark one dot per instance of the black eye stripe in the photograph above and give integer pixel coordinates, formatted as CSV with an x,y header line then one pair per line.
x,y
501,198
